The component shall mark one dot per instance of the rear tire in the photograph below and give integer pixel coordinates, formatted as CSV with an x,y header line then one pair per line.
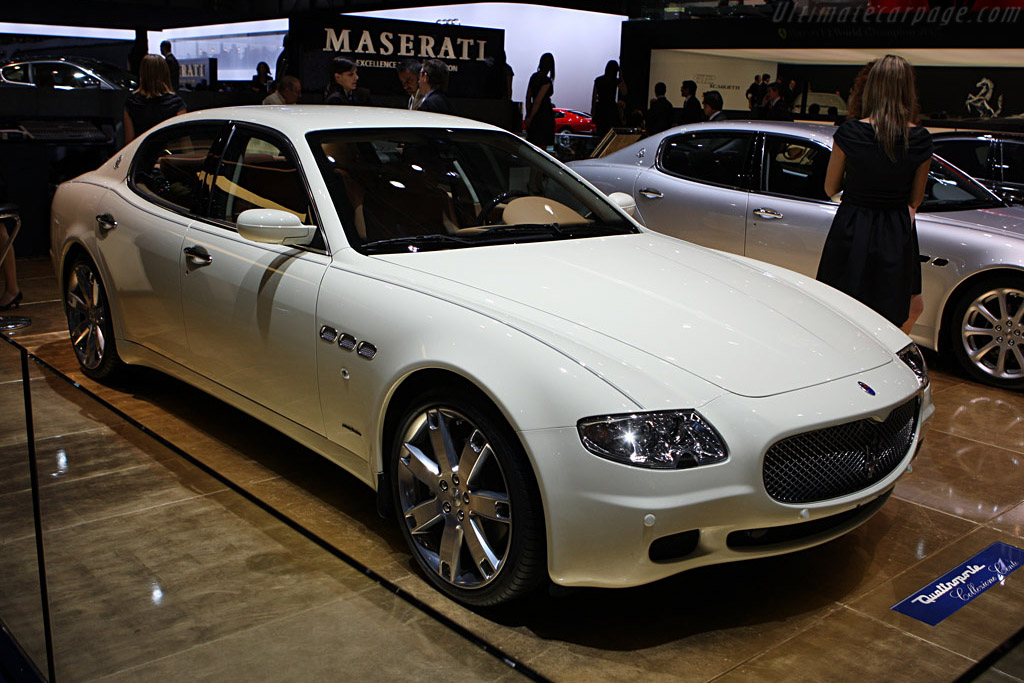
x,y
986,332
88,314
466,499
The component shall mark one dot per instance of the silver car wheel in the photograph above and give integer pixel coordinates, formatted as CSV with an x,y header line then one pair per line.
x,y
87,315
992,334
454,498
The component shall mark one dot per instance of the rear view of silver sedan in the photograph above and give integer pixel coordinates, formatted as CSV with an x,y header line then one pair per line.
x,y
757,188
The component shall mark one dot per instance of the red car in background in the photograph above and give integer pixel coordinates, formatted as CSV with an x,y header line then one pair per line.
x,y
571,121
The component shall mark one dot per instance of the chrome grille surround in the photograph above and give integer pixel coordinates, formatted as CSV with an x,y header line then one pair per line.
x,y
841,459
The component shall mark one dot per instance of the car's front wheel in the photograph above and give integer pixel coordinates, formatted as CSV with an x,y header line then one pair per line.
x,y
988,332
466,499
88,314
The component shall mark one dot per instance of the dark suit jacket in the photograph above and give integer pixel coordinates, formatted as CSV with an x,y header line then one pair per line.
x,y
659,116
778,111
437,103
718,116
359,97
172,66
693,112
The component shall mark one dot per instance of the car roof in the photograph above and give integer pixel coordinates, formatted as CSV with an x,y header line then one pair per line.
x,y
298,119
977,135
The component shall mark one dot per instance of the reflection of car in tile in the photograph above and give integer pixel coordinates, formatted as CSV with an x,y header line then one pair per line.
x,y
996,160
66,73
535,386
757,189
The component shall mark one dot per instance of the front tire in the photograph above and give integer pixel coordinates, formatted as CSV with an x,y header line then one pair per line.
x,y
88,314
466,499
987,332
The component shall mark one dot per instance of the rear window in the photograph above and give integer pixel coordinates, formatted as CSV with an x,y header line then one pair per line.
x,y
169,166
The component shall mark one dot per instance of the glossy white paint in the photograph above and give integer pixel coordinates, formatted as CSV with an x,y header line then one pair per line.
x,y
551,332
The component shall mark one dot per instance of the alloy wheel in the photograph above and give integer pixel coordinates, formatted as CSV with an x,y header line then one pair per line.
x,y
454,498
87,316
992,334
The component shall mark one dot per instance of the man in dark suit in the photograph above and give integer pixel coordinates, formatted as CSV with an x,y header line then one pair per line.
x,y
713,104
659,114
433,84
776,108
172,64
692,112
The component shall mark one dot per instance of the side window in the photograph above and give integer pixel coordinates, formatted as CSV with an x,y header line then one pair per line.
x,y
257,172
169,164
970,156
1013,162
16,74
720,158
795,168
69,76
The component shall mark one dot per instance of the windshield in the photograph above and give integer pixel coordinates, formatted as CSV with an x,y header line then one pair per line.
x,y
114,75
407,190
950,189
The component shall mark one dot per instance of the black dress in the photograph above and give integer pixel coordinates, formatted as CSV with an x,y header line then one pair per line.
x,y
146,112
541,131
606,112
871,251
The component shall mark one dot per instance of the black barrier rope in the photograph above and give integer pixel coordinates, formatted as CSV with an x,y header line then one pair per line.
x,y
482,643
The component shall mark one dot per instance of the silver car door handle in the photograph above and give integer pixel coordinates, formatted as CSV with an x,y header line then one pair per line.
x,y
651,193
767,214
106,222
198,256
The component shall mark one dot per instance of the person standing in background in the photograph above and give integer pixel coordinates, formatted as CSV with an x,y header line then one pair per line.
x,y
343,85
692,111
713,104
659,113
288,91
609,88
754,93
540,117
409,75
262,81
153,102
433,86
881,163
172,65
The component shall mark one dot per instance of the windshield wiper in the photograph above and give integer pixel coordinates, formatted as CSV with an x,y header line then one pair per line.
x,y
415,243
535,228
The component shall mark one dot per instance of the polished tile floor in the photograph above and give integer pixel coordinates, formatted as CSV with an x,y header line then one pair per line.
x,y
158,568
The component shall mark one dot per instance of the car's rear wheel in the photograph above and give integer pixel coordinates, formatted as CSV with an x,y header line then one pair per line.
x,y
466,499
88,314
565,129
988,332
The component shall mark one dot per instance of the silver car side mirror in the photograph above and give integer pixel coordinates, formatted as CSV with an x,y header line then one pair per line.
x,y
624,202
273,226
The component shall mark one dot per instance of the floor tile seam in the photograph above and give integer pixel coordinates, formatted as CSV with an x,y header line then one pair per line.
x,y
990,527
913,635
237,633
57,481
137,511
833,608
955,516
55,436
977,441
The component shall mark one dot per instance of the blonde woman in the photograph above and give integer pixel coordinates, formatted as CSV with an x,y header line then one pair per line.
x,y
880,162
153,102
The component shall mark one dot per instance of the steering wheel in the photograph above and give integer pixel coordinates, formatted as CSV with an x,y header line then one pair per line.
x,y
489,205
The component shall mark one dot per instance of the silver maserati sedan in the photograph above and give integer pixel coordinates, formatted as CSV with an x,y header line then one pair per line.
x,y
756,188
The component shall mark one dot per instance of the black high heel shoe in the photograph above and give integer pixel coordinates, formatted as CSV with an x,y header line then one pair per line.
x,y
13,303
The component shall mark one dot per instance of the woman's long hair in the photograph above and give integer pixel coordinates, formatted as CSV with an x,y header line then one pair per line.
x,y
546,65
154,77
339,65
611,70
890,101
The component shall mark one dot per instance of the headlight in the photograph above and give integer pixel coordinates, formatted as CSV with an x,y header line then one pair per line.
x,y
911,355
671,440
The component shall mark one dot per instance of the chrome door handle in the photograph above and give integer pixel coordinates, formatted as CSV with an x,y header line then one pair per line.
x,y
198,256
767,214
106,222
651,193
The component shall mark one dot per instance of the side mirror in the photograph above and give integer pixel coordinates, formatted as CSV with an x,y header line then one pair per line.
x,y
273,226
624,202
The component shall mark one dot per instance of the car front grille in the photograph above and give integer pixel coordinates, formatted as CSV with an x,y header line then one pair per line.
x,y
835,461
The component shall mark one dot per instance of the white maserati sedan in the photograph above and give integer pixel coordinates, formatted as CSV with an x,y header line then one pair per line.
x,y
536,386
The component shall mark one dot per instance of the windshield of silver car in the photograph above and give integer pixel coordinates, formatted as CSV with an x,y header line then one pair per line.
x,y
430,188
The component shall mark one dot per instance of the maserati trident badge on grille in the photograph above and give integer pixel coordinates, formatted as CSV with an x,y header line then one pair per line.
x,y
865,387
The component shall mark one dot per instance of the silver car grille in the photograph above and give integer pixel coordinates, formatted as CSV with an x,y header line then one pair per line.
x,y
839,460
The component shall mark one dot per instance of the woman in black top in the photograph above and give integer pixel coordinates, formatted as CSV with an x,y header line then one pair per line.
x,y
540,119
881,163
153,102
343,86
262,81
604,102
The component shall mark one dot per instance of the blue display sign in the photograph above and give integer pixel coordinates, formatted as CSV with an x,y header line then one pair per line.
x,y
954,589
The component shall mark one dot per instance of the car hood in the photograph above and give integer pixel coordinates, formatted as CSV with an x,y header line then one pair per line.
x,y
705,312
1007,219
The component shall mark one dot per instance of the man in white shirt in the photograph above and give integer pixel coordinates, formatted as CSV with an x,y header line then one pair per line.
x,y
409,75
288,91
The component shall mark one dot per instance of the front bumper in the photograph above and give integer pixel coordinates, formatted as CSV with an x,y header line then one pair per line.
x,y
603,517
